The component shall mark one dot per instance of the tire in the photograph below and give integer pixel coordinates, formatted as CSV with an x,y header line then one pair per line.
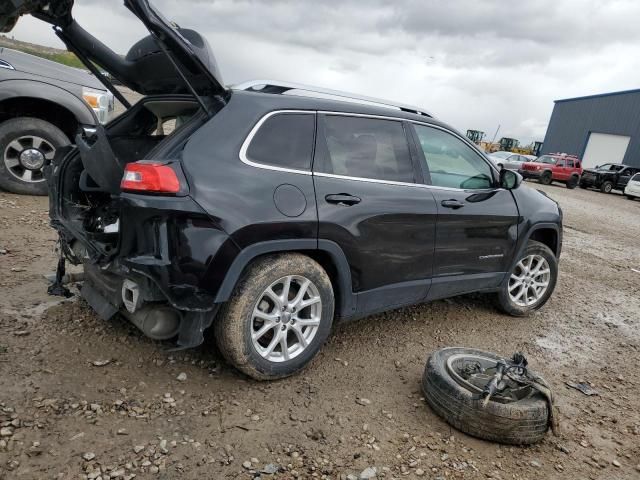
x,y
546,178
572,182
583,186
521,422
606,187
505,301
235,324
630,197
21,132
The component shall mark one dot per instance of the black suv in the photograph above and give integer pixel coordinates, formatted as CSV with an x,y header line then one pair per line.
x,y
608,177
269,212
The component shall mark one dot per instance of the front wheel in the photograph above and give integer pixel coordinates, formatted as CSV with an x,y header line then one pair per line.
x,y
606,187
531,281
630,197
278,317
546,178
26,145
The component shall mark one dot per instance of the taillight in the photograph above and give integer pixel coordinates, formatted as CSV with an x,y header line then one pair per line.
x,y
150,177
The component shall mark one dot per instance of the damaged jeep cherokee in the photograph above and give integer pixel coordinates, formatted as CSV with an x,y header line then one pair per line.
x,y
273,209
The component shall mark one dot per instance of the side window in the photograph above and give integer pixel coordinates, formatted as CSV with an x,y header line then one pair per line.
x,y
570,163
561,163
284,140
451,162
367,148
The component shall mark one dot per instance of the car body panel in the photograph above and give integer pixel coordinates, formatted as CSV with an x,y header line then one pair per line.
x,y
618,174
564,168
633,187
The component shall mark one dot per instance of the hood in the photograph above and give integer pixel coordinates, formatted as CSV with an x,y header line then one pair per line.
x,y
170,60
24,62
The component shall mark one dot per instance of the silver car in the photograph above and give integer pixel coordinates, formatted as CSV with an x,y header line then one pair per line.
x,y
508,160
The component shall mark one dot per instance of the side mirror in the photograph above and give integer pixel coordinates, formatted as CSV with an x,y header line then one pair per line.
x,y
510,179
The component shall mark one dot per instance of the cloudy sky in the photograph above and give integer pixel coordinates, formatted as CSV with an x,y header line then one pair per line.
x,y
473,64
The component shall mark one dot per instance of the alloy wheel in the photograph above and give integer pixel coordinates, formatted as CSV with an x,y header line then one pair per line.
x,y
286,318
25,156
529,280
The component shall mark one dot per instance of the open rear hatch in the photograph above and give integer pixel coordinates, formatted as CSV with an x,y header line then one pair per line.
x,y
176,71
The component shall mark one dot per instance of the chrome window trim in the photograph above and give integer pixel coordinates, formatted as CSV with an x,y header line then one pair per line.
x,y
7,65
256,127
247,141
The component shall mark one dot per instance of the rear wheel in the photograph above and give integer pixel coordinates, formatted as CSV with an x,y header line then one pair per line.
x,y
630,197
606,187
26,144
546,178
530,282
278,317
572,182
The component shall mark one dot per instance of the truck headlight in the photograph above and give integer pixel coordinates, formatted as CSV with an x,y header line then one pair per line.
x,y
100,101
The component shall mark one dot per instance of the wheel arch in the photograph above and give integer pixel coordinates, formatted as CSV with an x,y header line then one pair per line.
x,y
27,98
327,253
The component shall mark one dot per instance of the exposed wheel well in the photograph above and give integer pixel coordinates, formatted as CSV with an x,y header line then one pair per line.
x,y
547,236
43,109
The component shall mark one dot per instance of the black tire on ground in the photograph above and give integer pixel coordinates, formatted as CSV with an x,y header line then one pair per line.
x,y
516,423
546,178
572,182
606,187
582,185
15,128
503,299
630,197
233,327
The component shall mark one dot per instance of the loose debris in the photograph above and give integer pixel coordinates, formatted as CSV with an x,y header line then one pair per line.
x,y
583,387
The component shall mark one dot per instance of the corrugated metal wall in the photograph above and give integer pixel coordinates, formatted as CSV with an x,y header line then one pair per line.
x,y
573,120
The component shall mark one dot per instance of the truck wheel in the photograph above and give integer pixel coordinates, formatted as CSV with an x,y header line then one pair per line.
x,y
630,197
546,178
278,317
26,144
606,186
530,282
512,420
572,182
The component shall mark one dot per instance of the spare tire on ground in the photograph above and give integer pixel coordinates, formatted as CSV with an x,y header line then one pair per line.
x,y
453,383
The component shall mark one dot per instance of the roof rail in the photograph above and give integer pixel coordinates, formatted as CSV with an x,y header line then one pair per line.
x,y
277,87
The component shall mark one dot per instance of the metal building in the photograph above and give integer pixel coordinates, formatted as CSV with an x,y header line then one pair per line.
x,y
599,129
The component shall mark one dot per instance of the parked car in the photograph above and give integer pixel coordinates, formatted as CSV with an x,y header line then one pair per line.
x,y
509,160
42,105
269,215
558,167
632,190
608,177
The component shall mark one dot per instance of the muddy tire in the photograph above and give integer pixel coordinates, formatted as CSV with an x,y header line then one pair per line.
x,y
265,336
630,197
516,423
25,145
572,182
546,178
606,187
524,280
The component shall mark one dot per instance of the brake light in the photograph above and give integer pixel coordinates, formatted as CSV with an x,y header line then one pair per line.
x,y
150,177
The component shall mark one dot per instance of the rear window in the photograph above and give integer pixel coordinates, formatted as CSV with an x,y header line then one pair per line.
x,y
284,140
366,148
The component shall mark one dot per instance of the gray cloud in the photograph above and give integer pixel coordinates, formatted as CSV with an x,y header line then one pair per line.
x,y
475,64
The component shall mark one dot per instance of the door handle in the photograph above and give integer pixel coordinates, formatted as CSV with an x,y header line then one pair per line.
x,y
455,204
343,199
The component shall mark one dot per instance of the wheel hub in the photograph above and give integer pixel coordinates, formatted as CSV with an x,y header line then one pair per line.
x,y
529,281
286,318
32,158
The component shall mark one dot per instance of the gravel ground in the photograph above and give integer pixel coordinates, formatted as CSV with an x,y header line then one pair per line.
x,y
83,398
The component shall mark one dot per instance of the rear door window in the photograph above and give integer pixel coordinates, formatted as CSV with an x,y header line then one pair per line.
x,y
365,148
451,162
284,140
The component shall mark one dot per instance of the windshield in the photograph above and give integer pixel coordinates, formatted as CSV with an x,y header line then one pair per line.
x,y
610,167
501,154
547,159
636,177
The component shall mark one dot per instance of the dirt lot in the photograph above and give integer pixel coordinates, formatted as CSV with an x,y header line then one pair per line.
x,y
64,417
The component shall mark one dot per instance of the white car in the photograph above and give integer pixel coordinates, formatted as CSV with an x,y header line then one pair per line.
x,y
508,160
632,190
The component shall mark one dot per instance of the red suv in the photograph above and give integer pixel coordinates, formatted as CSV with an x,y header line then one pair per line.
x,y
554,166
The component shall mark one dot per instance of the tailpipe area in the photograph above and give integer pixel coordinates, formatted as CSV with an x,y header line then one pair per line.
x,y
159,322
